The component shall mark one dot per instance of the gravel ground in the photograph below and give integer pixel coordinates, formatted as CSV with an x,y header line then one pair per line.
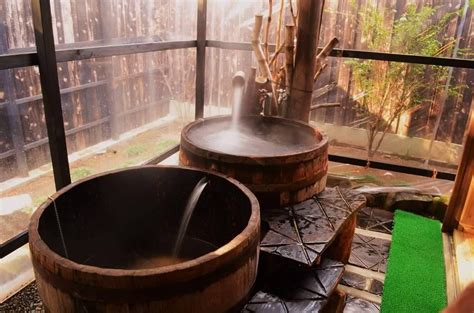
x,y
27,300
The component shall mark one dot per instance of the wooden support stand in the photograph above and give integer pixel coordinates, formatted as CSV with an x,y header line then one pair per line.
x,y
340,249
336,302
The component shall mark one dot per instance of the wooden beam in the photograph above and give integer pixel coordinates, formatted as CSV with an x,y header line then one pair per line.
x,y
462,183
452,280
365,272
464,249
18,60
201,58
374,234
360,294
64,55
467,216
43,27
159,158
360,54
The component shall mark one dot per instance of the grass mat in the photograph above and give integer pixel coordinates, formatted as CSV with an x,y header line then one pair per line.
x,y
415,280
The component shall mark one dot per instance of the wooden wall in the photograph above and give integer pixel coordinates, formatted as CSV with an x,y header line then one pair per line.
x,y
101,98
105,97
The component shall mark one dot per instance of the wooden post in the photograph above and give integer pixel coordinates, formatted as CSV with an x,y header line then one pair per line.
x,y
14,118
467,216
50,89
201,58
341,247
462,183
309,24
336,302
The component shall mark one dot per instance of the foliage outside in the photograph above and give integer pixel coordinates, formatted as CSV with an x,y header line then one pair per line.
x,y
386,90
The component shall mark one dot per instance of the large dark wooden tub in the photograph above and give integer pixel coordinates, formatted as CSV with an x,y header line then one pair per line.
x,y
282,161
118,226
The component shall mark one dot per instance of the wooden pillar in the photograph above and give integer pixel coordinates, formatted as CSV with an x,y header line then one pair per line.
x,y
50,89
14,118
457,203
201,58
467,216
309,24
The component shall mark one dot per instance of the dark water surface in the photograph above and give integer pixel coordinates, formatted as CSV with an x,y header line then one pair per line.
x,y
253,137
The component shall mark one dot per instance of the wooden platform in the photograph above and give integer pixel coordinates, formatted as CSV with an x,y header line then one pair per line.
x,y
303,252
303,232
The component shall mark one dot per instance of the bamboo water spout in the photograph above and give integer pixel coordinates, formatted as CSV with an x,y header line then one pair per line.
x,y
290,86
238,85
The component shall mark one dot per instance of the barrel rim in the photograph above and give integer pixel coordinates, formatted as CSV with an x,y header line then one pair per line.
x,y
181,272
283,158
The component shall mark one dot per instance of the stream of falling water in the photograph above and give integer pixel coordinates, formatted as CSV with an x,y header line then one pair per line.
x,y
236,107
188,212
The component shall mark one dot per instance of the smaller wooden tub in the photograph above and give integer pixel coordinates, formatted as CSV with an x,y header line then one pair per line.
x,y
117,227
282,161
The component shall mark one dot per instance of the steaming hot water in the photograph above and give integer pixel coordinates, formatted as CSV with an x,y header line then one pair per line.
x,y
251,137
236,107
174,257
165,250
188,212
254,137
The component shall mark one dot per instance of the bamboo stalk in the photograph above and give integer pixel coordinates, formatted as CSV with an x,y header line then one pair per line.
x,y
319,70
293,14
257,49
322,56
278,33
262,63
275,57
289,55
267,29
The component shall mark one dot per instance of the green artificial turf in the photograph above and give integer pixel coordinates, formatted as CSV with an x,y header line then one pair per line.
x,y
415,279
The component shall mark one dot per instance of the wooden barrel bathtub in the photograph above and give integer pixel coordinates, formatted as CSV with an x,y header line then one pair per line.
x,y
115,224
286,164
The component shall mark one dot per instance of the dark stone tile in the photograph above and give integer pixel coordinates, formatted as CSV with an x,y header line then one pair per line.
x,y
357,305
374,219
297,289
303,231
362,283
370,253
